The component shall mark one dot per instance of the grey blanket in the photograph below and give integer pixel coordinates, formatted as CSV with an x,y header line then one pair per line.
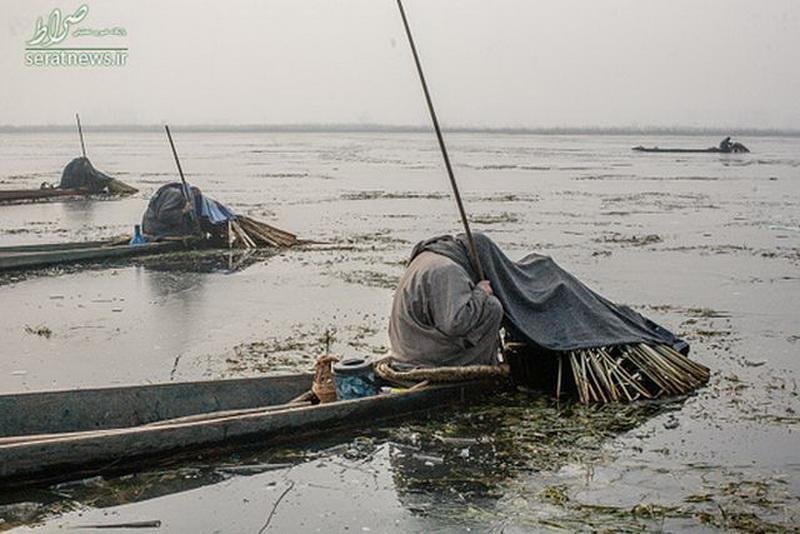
x,y
546,306
439,318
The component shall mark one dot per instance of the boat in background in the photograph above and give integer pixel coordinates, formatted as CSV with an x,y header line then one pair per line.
x,y
31,195
725,147
80,179
710,150
37,256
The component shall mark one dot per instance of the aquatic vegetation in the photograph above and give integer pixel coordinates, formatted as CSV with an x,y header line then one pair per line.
x,y
41,331
393,195
633,240
494,218
370,278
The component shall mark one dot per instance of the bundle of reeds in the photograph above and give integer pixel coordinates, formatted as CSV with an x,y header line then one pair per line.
x,y
118,187
244,232
623,373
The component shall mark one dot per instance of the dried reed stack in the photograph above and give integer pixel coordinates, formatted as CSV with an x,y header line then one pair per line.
x,y
630,372
244,232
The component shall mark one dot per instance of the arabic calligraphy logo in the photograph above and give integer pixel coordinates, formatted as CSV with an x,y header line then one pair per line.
x,y
87,48
57,27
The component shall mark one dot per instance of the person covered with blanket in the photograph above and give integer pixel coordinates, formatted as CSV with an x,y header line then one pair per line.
x,y
441,317
444,315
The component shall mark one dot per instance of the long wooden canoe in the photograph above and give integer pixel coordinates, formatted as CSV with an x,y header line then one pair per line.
x,y
46,193
21,195
50,435
710,150
35,256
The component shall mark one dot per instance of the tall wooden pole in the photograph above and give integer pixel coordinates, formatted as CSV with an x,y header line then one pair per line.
x,y
80,134
473,251
187,194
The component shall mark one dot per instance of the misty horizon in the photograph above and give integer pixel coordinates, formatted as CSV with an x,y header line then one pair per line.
x,y
626,64
408,128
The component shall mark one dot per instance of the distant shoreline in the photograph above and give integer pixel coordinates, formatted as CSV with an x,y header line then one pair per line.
x,y
390,128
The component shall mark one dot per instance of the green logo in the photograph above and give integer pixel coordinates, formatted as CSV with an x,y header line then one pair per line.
x,y
57,27
48,47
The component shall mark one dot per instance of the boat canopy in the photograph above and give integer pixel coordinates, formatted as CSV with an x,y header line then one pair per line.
x,y
81,174
166,216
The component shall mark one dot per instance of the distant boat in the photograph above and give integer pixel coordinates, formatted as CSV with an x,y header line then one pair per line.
x,y
38,256
167,230
725,147
78,180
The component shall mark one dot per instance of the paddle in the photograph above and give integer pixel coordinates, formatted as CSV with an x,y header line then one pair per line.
x,y
473,251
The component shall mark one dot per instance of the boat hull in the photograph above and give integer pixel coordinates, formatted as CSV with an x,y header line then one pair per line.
x,y
711,150
98,435
13,196
35,256
22,195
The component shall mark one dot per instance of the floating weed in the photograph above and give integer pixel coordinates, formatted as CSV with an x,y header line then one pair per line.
x,y
41,331
392,195
634,240
494,218
555,494
370,278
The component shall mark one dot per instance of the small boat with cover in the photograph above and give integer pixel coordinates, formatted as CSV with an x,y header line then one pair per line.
x,y
79,179
167,228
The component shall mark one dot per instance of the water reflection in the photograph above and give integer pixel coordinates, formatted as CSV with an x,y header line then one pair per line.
x,y
470,456
78,213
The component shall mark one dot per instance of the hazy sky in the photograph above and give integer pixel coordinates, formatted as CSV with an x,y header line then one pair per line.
x,y
489,63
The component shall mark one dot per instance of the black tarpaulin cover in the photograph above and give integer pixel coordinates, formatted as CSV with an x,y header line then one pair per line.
x,y
81,174
166,214
546,306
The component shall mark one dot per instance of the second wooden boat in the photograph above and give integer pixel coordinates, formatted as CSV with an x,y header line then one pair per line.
x,y
24,195
36,256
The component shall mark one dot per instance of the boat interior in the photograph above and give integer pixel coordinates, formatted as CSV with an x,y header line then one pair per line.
x,y
37,413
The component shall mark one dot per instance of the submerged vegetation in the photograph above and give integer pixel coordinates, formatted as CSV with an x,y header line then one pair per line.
x,y
473,468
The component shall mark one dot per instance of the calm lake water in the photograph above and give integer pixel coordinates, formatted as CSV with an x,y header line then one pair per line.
x,y
707,244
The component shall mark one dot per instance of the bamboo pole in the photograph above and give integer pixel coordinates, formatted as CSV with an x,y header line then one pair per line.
x,y
80,134
471,242
186,192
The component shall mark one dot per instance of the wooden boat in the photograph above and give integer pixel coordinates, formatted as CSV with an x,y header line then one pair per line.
x,y
677,150
737,149
22,195
10,196
35,256
64,434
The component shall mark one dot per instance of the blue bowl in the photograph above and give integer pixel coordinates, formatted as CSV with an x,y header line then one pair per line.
x,y
354,379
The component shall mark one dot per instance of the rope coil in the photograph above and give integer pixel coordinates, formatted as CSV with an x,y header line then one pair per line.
x,y
384,369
